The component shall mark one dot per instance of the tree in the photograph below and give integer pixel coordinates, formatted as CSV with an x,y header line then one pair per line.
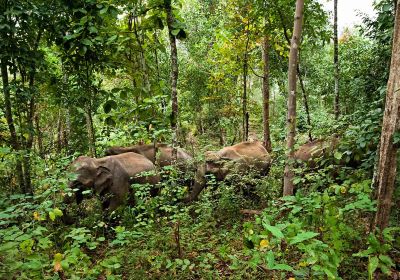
x,y
87,47
265,90
390,137
22,25
336,58
174,74
291,114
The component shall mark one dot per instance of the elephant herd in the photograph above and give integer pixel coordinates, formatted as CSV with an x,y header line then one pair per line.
x,y
110,177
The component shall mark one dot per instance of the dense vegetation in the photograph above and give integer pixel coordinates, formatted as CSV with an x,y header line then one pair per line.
x,y
81,76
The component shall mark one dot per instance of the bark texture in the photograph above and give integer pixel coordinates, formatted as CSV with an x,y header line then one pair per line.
x,y
291,114
265,89
336,58
387,163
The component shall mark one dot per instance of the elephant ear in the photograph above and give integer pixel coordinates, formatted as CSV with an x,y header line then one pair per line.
x,y
103,180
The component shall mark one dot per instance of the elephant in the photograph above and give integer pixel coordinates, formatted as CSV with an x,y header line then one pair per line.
x,y
311,151
111,176
240,158
160,154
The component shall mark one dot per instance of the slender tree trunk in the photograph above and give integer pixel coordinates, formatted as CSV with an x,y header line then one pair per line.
x,y
31,129
59,132
336,58
174,77
90,130
291,115
305,101
145,74
244,104
387,163
10,122
67,133
88,113
245,72
163,102
39,134
265,89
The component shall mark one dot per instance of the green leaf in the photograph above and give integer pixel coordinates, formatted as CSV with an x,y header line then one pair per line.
x,y
386,260
112,38
175,32
34,265
93,29
52,215
270,258
386,7
104,10
338,155
282,266
87,42
396,138
274,230
58,257
303,237
372,266
57,212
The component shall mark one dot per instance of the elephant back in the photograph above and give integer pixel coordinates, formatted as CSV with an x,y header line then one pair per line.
x,y
159,154
133,163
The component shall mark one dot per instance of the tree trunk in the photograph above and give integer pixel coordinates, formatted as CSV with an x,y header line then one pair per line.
x,y
39,134
291,114
245,72
174,77
10,122
387,163
336,58
244,108
145,74
31,129
90,130
59,132
265,89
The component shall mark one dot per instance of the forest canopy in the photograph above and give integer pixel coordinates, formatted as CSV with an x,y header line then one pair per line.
x,y
198,139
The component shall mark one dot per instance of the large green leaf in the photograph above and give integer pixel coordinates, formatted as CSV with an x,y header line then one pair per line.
x,y
274,230
372,266
303,236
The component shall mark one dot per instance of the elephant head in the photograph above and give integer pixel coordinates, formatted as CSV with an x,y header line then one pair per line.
x,y
110,177
239,158
216,165
91,175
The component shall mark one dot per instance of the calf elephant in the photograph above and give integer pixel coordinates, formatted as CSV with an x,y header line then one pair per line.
x,y
110,177
240,158
159,154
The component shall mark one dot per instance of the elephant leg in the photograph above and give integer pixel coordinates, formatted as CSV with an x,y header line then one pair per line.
x,y
197,188
115,202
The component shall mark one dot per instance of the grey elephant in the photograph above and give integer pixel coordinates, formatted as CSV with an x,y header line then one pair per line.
x,y
160,154
240,158
110,177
